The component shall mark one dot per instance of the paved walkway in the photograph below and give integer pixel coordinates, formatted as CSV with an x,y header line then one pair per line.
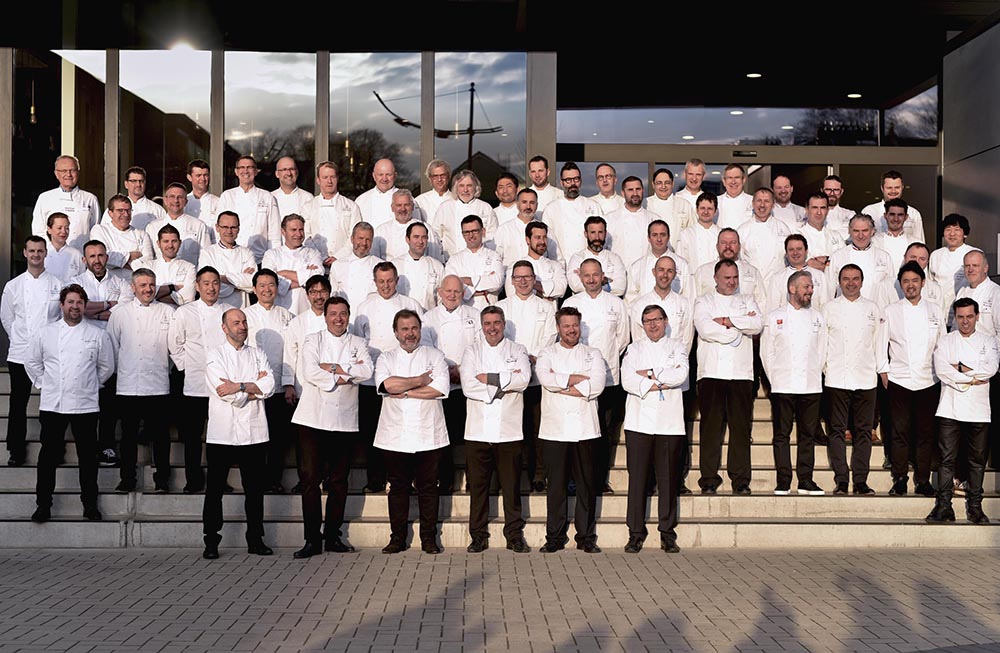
x,y
702,600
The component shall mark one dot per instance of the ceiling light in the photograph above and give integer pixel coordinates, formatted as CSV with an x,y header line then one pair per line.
x,y
687,138
716,172
754,75
594,134
854,96
650,121
736,113
788,127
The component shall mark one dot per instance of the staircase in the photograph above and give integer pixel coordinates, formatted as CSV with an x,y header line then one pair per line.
x,y
173,520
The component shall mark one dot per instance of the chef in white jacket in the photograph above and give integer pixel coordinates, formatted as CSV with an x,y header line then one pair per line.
x,y
294,263
567,214
875,263
762,237
125,243
79,205
330,216
62,260
419,274
673,210
351,272
193,232
654,371
615,272
494,373
479,267
174,275
447,220
235,263
572,375
256,208
550,274
640,278
627,225
333,363
390,237
728,248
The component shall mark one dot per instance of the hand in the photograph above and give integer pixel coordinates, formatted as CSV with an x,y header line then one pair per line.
x,y
261,374
327,367
884,376
453,374
227,387
481,378
724,321
328,261
424,379
750,314
337,369
577,378
290,397
249,270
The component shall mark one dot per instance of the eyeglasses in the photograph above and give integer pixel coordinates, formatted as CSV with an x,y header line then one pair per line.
x,y
652,320
603,177
833,191
571,180
523,277
135,181
68,171
472,232
283,169
246,167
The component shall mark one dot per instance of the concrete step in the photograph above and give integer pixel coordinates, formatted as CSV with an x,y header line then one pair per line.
x,y
115,507
32,405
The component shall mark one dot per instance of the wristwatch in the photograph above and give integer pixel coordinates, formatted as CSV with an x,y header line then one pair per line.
x,y
243,387
649,374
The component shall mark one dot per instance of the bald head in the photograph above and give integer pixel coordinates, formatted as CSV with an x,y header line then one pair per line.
x,y
384,174
451,292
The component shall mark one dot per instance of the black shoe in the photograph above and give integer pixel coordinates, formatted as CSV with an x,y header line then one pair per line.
x,y
125,486
193,489
445,490
941,513
107,458
431,548
809,487
518,546
309,550
782,490
607,489
886,463
538,486
822,440
297,488
41,515
276,488
92,514
841,489
15,461
259,548
588,547
864,490
742,490
683,490
228,489
976,515
368,489
337,545
478,545
394,546
211,552
634,545
709,490
925,489
898,488
161,488
669,545
551,547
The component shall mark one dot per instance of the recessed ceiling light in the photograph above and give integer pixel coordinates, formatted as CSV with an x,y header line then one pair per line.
x,y
594,134
854,96
651,121
503,134
754,75
687,138
716,172
339,131
788,127
736,113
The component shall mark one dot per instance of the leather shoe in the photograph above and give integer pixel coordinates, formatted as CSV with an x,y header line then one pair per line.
x,y
976,515
431,548
607,489
709,490
394,546
898,488
742,491
15,461
337,545
478,545
193,489
634,545
211,552
374,488
538,486
925,489
683,490
125,486
863,489
518,546
551,547
259,548
41,515
669,545
588,547
92,514
309,550
941,513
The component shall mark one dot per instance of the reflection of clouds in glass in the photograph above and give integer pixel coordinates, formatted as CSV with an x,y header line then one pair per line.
x,y
174,81
916,117
93,61
294,74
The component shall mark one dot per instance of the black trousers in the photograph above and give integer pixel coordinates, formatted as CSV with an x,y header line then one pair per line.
x,y
993,454
644,453
951,434
279,415
454,419
17,412
53,438
369,408
724,401
481,460
883,418
912,414
531,419
803,410
611,413
152,412
110,414
321,450
192,429
252,460
405,470
843,405
562,458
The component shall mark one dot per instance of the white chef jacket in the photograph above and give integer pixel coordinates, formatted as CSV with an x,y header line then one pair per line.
x,y
959,400
294,202
65,263
793,350
485,271
266,331
451,332
114,287
723,352
260,222
874,263
793,215
697,245
205,208
734,211
494,409
751,281
914,224
329,223
851,330
196,328
547,195
821,242
177,271
121,243
144,212
777,288
566,418
680,317
565,219
678,215
237,419
907,337
373,322
763,244
389,241
140,334
194,236
689,197
505,213
80,206
839,219
890,292
627,233
302,325
615,272
232,264
352,277
430,201
419,279
987,295
530,322
608,204
641,279
647,410
604,326
894,246
447,222
512,245
376,206
948,268
411,425
548,271
305,262
28,304
69,364
324,404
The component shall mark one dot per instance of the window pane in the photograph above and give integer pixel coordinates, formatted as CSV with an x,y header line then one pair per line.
x,y
913,122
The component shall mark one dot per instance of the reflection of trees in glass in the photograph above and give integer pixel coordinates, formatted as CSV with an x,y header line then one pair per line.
x,y
836,127
914,121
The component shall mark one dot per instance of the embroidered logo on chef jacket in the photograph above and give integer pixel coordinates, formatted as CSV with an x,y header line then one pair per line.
x,y
817,324
986,306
